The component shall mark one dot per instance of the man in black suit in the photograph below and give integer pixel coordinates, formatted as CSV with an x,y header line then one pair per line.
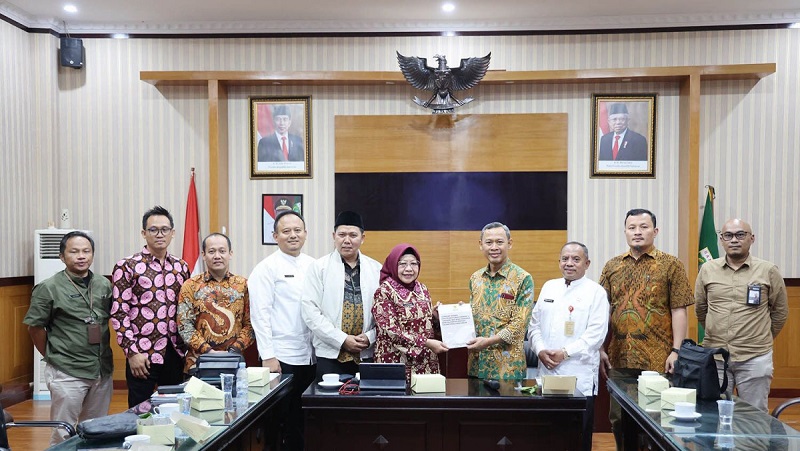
x,y
281,145
621,143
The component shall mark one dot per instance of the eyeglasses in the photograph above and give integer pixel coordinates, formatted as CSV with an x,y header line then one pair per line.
x,y
727,236
163,231
408,264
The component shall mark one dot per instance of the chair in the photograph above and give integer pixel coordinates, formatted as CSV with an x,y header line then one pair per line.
x,y
777,411
7,421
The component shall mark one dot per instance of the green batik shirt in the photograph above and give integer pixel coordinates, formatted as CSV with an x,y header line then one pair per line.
x,y
62,307
501,305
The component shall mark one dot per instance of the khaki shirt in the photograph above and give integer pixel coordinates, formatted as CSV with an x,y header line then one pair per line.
x,y
745,330
61,308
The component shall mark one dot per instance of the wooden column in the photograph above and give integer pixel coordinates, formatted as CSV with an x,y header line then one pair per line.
x,y
217,155
689,173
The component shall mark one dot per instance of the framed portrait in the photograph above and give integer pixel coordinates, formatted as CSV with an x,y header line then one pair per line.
x,y
271,206
623,129
280,137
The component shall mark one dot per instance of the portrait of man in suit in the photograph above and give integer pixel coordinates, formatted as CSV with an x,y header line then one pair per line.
x,y
621,143
281,144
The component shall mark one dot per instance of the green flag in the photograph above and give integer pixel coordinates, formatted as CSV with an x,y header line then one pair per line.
x,y
708,248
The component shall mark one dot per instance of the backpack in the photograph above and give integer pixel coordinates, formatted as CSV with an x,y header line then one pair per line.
x,y
696,368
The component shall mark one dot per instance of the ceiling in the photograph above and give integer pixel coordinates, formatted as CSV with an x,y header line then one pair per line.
x,y
387,16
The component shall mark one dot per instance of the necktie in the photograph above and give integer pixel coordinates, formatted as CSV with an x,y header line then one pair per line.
x,y
286,149
614,150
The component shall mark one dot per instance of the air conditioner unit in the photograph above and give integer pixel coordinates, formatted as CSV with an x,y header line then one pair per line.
x,y
46,263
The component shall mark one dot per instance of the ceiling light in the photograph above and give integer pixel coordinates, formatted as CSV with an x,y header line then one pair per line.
x,y
794,25
70,8
448,7
119,36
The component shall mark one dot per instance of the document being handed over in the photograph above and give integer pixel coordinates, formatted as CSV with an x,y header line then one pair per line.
x,y
458,327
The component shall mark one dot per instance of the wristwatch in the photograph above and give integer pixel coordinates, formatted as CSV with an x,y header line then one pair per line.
x,y
566,354
675,350
234,350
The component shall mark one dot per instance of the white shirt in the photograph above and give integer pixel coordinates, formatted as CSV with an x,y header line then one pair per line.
x,y
323,297
276,287
546,330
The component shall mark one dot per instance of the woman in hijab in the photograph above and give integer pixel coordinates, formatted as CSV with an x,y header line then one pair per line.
x,y
404,316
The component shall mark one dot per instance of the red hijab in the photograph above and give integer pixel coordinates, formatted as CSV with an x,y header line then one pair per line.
x,y
389,269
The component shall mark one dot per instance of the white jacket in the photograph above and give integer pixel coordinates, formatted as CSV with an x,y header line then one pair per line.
x,y
323,295
589,303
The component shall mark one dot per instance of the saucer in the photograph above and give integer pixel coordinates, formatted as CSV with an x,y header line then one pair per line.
x,y
692,416
330,384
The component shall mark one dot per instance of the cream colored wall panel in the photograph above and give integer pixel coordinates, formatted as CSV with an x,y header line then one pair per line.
x,y
108,146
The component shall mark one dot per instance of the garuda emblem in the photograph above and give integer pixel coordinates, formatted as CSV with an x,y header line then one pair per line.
x,y
442,81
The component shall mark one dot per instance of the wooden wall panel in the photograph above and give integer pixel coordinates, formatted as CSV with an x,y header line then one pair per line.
x,y
16,348
450,257
786,359
452,143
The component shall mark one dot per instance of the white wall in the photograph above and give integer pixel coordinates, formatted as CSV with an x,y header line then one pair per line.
x,y
122,145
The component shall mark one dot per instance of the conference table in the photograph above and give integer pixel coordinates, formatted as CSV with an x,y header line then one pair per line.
x,y
256,428
649,428
468,416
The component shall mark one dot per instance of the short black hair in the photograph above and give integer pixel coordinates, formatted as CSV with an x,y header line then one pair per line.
x,y
641,211
75,233
286,213
158,210
216,234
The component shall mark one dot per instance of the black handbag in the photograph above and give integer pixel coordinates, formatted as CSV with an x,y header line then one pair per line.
x,y
209,366
696,368
119,425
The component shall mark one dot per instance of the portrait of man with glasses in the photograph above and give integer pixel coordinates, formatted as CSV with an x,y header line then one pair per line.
x,y
144,309
741,301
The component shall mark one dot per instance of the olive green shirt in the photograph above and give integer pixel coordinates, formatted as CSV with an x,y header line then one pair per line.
x,y
720,294
61,307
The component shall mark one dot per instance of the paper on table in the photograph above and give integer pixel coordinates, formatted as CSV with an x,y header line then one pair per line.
x,y
458,327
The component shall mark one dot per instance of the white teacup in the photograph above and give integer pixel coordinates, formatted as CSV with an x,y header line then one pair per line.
x,y
167,408
330,378
138,438
684,409
649,373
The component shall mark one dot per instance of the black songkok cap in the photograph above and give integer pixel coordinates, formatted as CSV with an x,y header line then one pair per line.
x,y
617,108
349,218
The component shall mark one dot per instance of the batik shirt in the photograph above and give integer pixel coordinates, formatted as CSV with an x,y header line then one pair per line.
x,y
642,294
214,315
404,319
501,305
352,309
145,304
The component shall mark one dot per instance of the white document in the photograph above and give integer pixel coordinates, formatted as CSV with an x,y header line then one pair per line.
x,y
458,327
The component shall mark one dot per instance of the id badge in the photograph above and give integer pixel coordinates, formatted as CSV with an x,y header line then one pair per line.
x,y
94,333
754,294
569,328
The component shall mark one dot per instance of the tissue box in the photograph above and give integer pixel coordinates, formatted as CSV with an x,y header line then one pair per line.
x,y
676,394
258,376
559,385
160,434
428,383
650,403
652,385
204,395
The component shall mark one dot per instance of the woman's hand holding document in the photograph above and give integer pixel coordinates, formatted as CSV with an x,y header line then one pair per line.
x,y
458,326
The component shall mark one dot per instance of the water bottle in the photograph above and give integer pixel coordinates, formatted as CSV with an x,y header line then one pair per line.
x,y
241,387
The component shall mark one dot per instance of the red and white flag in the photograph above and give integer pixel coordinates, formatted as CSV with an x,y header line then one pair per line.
x,y
191,236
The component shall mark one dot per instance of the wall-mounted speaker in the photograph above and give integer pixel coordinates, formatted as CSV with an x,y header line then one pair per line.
x,y
71,52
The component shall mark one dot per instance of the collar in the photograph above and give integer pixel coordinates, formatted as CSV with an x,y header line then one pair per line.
x,y
358,261
207,277
146,251
748,262
652,253
80,280
574,283
503,271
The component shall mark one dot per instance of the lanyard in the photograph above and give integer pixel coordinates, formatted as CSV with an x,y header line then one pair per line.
x,y
90,302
